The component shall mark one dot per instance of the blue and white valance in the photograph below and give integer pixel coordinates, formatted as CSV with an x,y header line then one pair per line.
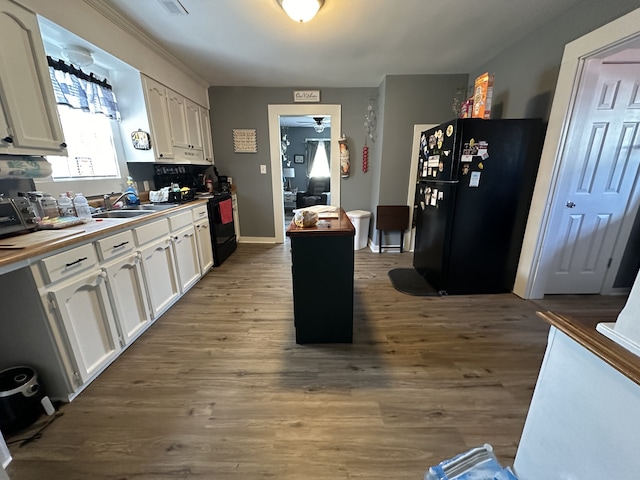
x,y
76,89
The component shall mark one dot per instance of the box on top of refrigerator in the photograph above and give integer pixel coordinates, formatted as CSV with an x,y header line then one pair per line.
x,y
482,96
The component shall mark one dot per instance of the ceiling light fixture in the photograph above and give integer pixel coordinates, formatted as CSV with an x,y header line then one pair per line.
x,y
301,10
78,56
318,127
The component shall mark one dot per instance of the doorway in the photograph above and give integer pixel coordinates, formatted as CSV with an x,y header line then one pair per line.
x,y
276,112
612,41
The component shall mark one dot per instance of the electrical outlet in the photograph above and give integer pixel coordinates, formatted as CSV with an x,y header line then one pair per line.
x,y
263,169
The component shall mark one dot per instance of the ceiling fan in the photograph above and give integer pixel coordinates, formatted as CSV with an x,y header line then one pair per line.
x,y
318,123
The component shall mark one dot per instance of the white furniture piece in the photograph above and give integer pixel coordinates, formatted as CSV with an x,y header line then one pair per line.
x,y
203,238
125,282
583,420
185,249
289,200
158,265
29,123
70,313
180,128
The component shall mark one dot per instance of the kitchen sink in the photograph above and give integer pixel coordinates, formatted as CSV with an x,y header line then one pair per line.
x,y
153,207
122,213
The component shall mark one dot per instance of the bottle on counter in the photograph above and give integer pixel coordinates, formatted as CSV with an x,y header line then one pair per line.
x,y
82,207
65,205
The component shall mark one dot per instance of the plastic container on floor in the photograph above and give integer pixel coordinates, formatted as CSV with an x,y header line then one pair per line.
x,y
360,220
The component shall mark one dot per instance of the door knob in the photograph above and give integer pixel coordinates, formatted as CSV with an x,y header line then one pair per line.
x,y
570,204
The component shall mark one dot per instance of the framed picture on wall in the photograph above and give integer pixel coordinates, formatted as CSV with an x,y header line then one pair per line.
x,y
298,159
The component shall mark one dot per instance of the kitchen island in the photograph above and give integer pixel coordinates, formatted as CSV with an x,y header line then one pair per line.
x,y
322,260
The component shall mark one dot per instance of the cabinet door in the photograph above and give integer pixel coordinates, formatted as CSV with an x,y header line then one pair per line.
x,y
31,124
194,132
207,142
177,119
185,250
160,275
128,296
84,310
205,250
157,109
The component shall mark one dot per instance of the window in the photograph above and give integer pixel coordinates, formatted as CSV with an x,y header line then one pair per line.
x,y
90,146
320,162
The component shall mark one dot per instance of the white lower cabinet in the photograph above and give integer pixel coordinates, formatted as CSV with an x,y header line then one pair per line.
x,y
160,275
84,312
79,308
205,250
128,296
185,250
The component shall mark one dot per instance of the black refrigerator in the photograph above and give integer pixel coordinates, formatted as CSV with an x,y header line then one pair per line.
x,y
474,187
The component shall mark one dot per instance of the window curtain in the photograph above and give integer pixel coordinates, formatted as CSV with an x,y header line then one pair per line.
x,y
311,146
310,152
78,90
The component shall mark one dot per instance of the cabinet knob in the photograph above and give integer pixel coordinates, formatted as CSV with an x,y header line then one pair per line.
x,y
161,155
8,139
63,145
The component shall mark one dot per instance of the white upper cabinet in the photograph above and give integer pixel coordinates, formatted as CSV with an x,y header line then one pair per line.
x,y
194,132
207,142
29,120
158,111
177,119
176,124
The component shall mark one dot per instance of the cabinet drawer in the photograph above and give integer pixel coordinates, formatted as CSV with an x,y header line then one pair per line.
x,y
150,231
180,220
115,245
65,264
199,213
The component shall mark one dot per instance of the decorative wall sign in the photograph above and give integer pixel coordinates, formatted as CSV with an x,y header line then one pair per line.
x,y
309,96
244,140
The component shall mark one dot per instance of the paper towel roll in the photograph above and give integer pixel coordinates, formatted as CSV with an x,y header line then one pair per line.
x,y
14,166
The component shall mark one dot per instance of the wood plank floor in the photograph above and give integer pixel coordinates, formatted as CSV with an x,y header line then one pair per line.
x,y
218,389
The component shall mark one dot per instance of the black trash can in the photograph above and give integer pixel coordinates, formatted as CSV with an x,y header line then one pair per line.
x,y
20,398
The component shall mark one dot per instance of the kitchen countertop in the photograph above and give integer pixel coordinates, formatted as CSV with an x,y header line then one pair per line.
x,y
582,329
18,256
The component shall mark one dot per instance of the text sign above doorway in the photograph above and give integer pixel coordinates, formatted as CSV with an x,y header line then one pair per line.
x,y
306,96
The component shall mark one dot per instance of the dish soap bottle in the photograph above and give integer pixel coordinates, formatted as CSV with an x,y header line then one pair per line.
x,y
82,207
132,193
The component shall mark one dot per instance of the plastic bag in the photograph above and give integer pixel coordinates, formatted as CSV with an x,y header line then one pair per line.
x,y
476,464
305,218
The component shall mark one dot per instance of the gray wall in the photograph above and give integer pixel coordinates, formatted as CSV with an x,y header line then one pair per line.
x,y
526,75
297,137
404,101
247,107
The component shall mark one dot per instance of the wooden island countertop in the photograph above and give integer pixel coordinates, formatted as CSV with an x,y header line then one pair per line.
x,y
340,226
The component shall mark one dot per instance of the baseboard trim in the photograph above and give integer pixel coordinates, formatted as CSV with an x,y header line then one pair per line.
x,y
257,240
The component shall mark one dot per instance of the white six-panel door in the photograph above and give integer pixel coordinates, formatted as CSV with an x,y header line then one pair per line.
x,y
604,152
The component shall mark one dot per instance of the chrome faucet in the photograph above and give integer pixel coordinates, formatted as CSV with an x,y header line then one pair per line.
x,y
108,204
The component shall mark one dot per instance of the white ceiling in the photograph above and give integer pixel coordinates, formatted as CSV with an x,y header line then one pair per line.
x,y
350,43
